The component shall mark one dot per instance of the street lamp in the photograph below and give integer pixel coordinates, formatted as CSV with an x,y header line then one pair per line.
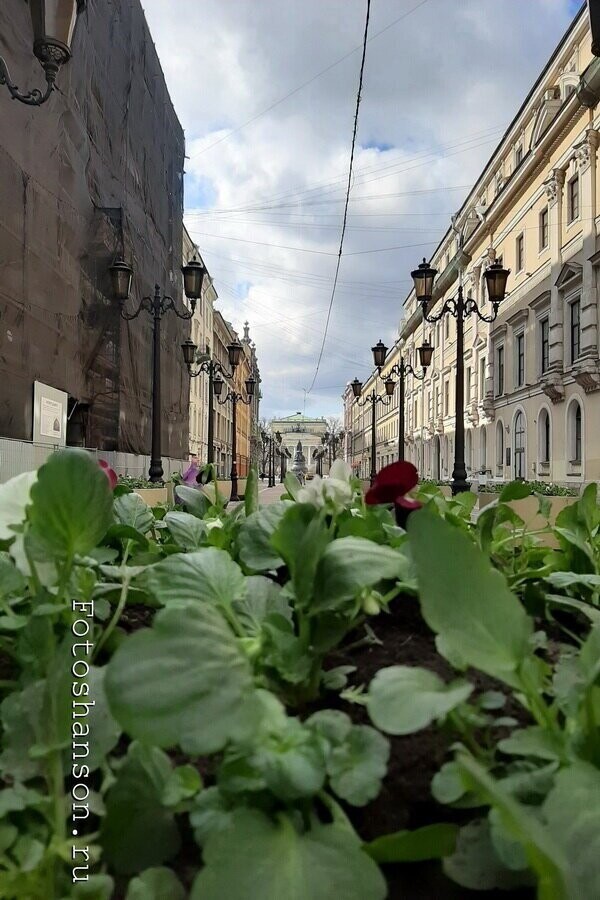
x,y
459,307
212,367
235,399
374,398
271,442
53,23
425,352
121,276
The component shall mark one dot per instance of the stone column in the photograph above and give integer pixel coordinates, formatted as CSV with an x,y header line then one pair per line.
x,y
587,371
552,382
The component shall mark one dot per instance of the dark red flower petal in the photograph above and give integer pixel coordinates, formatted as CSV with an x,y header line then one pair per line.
x,y
377,494
110,473
401,474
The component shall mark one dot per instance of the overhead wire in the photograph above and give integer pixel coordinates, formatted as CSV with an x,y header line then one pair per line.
x,y
310,81
345,218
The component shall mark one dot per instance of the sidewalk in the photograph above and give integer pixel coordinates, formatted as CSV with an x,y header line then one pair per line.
x,y
269,495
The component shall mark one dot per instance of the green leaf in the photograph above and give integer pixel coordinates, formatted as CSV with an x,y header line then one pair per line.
x,y
300,539
357,766
195,500
475,864
97,887
292,485
28,852
20,712
545,855
184,682
430,842
11,580
211,812
138,832
516,490
251,492
104,732
263,598
448,787
183,783
260,858
466,601
350,564
131,510
291,761
72,504
403,699
254,538
205,576
564,580
188,531
155,884
533,741
572,814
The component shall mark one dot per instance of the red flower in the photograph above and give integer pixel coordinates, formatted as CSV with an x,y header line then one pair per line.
x,y
110,473
391,485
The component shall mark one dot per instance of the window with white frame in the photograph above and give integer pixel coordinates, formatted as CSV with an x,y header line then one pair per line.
x,y
573,199
519,446
499,448
520,359
575,431
482,378
518,154
499,370
520,252
574,329
468,385
446,397
544,229
544,331
544,437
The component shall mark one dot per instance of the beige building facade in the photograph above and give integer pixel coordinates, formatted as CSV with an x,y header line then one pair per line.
x,y
532,377
201,333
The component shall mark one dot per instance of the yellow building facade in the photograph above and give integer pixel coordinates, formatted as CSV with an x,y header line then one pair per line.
x,y
532,377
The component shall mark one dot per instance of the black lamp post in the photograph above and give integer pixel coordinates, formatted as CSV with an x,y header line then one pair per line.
x,y
459,307
271,442
53,23
213,368
235,399
121,276
374,398
425,352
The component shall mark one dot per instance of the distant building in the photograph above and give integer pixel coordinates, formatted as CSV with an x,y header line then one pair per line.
x,y
301,428
201,333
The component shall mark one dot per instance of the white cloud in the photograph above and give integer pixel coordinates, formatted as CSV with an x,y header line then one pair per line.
x,y
436,85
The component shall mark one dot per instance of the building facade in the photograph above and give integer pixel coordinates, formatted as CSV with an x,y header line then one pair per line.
x,y
298,428
532,377
83,180
201,333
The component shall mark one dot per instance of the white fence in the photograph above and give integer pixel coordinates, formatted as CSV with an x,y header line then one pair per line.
x,y
24,456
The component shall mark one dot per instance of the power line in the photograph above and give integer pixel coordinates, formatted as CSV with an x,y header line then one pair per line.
x,y
306,83
354,130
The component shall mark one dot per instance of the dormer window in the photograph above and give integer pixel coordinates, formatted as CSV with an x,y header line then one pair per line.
x,y
518,155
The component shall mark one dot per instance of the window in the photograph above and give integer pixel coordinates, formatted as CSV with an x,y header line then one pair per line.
x,y
437,401
518,155
573,199
544,344
415,423
520,252
544,428
575,330
520,359
519,446
482,378
446,398
499,371
499,448
544,228
447,320
468,385
575,432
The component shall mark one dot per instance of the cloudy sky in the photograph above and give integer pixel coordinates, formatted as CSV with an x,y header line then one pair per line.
x,y
266,90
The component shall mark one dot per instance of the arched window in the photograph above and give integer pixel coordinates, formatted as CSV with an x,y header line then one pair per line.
x,y
519,449
499,448
483,449
544,436
575,432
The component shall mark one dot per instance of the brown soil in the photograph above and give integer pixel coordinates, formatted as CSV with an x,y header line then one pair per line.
x,y
405,800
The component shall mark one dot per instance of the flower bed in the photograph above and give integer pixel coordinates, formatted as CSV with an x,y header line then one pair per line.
x,y
335,695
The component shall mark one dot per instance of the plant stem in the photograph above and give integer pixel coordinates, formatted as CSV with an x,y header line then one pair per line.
x,y
120,606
